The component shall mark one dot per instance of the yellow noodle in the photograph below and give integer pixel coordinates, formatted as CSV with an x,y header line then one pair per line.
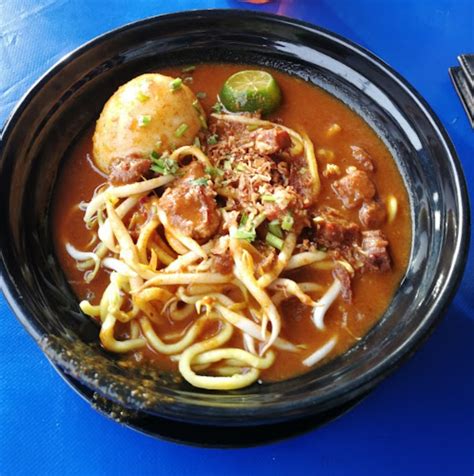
x,y
209,382
142,242
128,250
168,279
175,244
176,347
312,164
162,255
215,355
109,342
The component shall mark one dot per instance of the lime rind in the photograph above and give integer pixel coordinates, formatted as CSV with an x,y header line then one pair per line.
x,y
251,91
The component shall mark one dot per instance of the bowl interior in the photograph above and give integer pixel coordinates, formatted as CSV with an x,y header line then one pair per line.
x,y
70,97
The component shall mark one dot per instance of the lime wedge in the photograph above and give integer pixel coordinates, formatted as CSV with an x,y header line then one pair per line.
x,y
251,91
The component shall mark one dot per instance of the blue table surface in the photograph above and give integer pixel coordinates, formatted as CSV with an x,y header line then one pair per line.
x,y
419,421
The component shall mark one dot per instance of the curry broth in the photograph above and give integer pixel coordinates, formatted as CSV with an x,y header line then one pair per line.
x,y
304,107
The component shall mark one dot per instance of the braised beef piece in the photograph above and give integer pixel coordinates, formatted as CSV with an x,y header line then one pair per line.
x,y
354,188
271,141
341,274
374,251
128,169
363,157
223,264
191,207
300,179
333,231
372,214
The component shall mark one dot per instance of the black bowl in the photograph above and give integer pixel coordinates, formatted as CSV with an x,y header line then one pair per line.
x,y
69,97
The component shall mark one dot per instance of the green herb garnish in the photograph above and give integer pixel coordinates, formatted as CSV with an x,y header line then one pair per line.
x,y
217,107
142,97
144,120
242,234
197,142
200,181
181,130
241,168
275,229
212,139
164,165
287,222
274,241
268,198
176,84
214,171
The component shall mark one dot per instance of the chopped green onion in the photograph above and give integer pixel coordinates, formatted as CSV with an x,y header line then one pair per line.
x,y
228,165
241,168
243,219
274,241
217,107
252,127
275,229
214,171
181,130
203,122
287,222
155,155
164,166
176,84
197,142
200,181
158,144
198,109
268,198
201,95
142,97
212,140
188,69
245,234
144,120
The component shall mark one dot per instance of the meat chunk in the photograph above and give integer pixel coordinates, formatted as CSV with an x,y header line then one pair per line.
x,y
354,188
300,179
190,206
374,250
341,274
223,263
129,169
372,214
271,141
334,232
363,157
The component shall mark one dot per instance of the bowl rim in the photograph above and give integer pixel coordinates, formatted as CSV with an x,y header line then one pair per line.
x,y
460,250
